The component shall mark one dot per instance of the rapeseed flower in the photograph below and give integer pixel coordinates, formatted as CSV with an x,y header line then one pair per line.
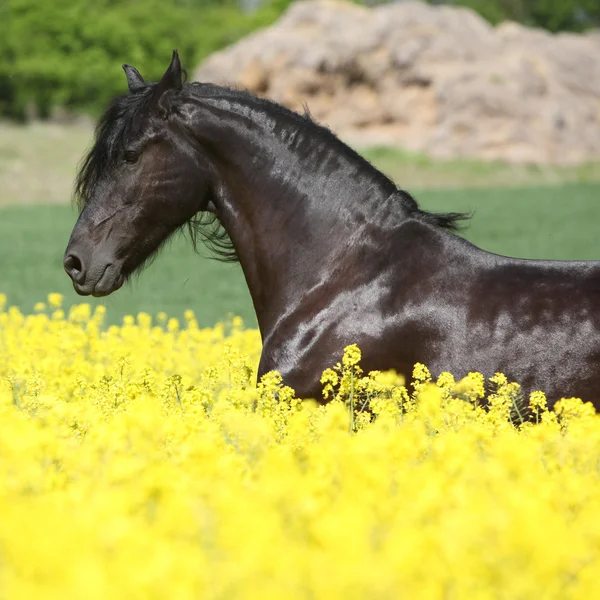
x,y
145,461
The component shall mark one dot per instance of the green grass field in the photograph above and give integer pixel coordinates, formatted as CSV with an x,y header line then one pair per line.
x,y
558,222
33,239
552,213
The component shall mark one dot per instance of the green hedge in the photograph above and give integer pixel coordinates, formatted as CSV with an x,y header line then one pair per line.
x,y
68,52
554,15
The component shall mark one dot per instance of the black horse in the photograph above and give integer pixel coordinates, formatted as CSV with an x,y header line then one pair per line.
x,y
332,251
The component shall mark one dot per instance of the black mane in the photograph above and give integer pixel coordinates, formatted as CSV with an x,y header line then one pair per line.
x,y
123,118
119,121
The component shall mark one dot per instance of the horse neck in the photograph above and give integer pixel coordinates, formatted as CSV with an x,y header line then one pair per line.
x,y
298,205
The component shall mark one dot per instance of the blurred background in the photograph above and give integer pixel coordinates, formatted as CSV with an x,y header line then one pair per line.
x,y
484,105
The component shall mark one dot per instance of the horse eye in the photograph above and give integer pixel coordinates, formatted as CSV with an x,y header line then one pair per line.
x,y
130,156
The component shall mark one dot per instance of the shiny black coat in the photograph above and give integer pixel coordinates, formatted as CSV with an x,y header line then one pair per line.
x,y
332,251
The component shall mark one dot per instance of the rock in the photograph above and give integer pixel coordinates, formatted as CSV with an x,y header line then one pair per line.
x,y
434,79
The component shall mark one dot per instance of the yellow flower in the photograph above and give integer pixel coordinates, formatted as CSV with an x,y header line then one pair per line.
x,y
421,373
351,356
329,380
537,401
152,460
144,320
55,300
445,380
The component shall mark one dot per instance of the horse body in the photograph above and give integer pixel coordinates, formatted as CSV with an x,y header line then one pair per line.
x,y
332,251
455,308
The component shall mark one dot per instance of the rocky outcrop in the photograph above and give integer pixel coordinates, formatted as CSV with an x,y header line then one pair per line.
x,y
440,80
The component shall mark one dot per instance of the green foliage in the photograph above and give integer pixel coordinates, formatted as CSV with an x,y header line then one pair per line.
x,y
554,15
68,52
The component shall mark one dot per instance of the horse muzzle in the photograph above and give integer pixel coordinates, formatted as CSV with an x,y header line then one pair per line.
x,y
96,278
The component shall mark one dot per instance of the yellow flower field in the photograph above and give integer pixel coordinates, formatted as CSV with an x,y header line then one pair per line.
x,y
142,461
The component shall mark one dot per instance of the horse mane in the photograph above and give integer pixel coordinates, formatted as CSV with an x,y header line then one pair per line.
x,y
117,123
205,227
452,221
123,119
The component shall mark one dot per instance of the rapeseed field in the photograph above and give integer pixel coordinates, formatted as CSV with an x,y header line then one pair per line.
x,y
143,461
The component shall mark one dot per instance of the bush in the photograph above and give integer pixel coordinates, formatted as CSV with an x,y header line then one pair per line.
x,y
554,15
68,52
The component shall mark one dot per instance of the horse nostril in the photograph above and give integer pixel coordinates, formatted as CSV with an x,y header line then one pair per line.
x,y
74,268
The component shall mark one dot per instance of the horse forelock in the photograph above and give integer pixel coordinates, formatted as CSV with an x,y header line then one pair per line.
x,y
119,122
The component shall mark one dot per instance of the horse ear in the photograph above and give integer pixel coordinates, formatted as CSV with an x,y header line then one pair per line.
x,y
171,80
134,80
